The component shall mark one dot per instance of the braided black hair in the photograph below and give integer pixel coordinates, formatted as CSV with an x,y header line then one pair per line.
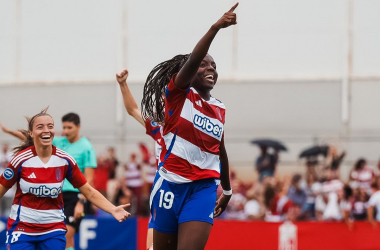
x,y
153,102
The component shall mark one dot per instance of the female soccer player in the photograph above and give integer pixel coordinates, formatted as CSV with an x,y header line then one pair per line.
x,y
152,129
39,169
194,156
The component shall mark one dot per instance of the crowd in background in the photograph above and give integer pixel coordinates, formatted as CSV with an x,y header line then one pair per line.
x,y
316,195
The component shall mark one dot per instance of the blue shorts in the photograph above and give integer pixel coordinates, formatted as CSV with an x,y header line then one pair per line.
x,y
55,240
172,203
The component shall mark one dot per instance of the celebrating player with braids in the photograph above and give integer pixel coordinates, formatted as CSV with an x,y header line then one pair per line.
x,y
39,170
194,156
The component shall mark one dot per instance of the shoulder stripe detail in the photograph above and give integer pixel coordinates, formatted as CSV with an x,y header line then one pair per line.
x,y
20,155
26,157
64,154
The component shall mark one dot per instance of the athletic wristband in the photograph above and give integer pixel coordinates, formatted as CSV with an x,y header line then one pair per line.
x,y
227,192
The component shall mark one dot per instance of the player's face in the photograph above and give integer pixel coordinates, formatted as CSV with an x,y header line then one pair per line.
x,y
70,130
43,131
206,75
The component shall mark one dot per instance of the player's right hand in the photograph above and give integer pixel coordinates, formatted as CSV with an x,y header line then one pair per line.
x,y
120,214
228,19
122,76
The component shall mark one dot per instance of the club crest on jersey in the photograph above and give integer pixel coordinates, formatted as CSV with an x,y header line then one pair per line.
x,y
8,173
44,191
205,124
58,174
153,124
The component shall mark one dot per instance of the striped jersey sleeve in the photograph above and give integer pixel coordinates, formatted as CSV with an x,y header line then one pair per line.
x,y
11,173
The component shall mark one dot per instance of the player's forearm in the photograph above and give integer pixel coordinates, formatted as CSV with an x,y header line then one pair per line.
x,y
225,171
130,103
89,175
199,52
15,133
96,198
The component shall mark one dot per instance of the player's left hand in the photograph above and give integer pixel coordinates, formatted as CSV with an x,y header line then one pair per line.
x,y
120,214
221,204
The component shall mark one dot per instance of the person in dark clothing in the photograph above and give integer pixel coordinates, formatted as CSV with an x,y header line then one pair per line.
x,y
266,163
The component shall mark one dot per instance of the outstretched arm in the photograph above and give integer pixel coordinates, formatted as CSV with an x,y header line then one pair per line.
x,y
101,202
188,71
15,133
129,102
222,202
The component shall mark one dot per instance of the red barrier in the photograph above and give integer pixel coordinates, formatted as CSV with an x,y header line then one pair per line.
x,y
142,230
262,235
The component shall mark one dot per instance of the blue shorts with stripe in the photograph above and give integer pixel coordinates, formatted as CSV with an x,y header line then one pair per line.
x,y
54,240
173,203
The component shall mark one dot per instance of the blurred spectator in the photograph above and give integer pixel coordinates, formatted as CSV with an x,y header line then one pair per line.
x,y
150,167
360,204
113,162
332,211
134,182
7,200
346,200
235,208
363,175
334,161
277,203
123,195
320,201
374,205
312,187
101,174
266,163
295,193
253,208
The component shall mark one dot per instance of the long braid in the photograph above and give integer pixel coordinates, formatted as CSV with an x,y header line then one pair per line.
x,y
153,102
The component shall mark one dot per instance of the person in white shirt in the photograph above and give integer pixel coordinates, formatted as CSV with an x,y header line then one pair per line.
x,y
374,203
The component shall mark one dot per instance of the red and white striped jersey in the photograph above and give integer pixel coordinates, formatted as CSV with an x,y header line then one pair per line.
x,y
38,204
155,131
192,135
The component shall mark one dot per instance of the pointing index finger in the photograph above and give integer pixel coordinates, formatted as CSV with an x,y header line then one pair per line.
x,y
234,7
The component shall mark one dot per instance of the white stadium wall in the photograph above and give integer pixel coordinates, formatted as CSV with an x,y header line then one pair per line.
x,y
284,69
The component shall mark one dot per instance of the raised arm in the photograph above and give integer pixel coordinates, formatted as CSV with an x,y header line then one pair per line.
x,y
14,133
188,71
129,102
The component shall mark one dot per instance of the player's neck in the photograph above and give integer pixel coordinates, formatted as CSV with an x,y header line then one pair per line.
x,y
205,94
44,153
